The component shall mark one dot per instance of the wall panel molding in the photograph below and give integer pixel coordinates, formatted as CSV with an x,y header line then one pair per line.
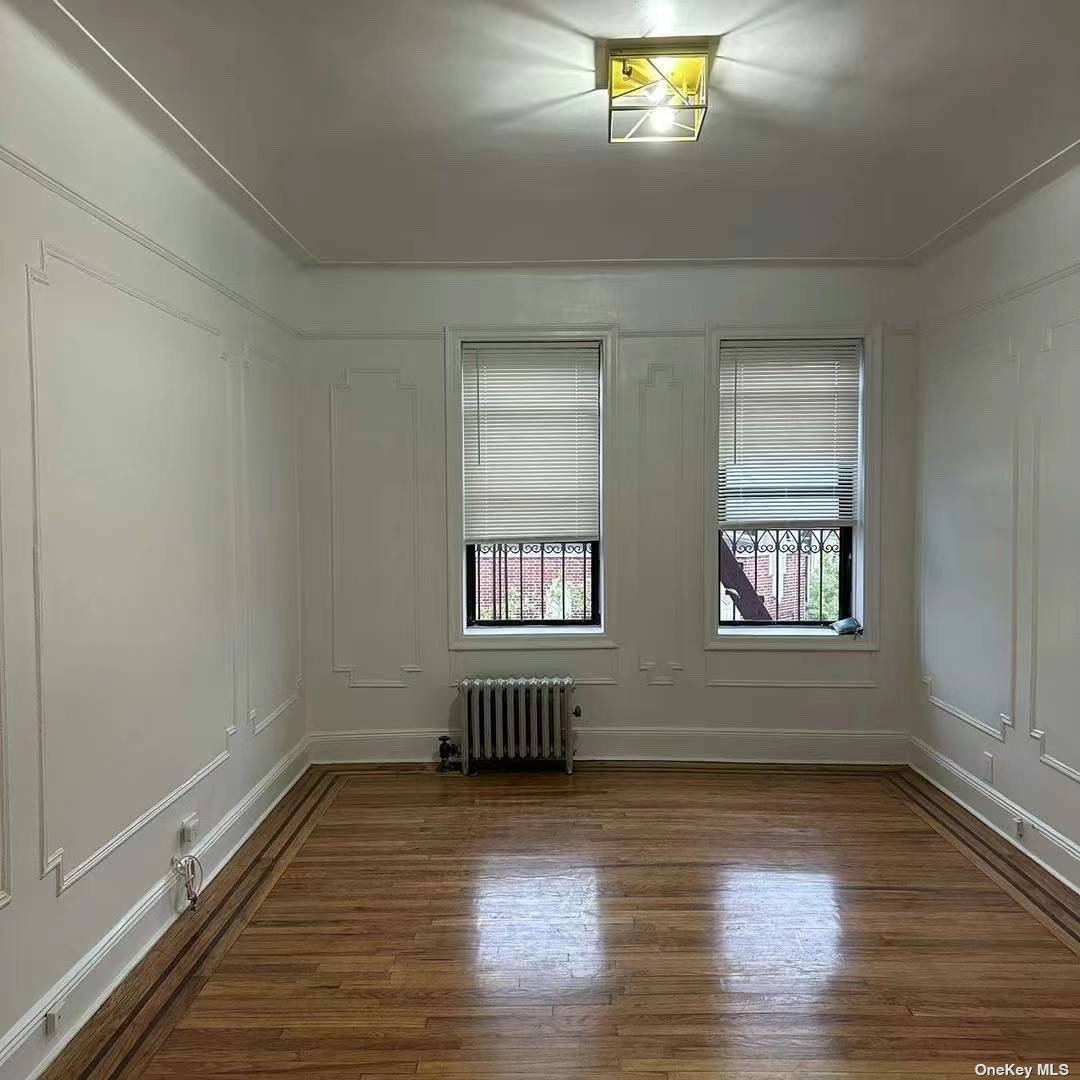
x,y
662,379
967,718
252,357
977,307
53,856
946,356
69,194
394,381
5,771
1038,728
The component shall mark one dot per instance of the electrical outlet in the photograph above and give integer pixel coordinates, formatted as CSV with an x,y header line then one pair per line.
x,y
988,767
189,830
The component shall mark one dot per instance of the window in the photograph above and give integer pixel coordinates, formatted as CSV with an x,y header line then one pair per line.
x,y
530,413
788,480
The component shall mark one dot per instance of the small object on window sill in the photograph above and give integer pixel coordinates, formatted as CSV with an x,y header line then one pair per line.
x,y
848,627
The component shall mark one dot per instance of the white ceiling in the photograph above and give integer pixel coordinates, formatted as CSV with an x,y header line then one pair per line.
x,y
469,131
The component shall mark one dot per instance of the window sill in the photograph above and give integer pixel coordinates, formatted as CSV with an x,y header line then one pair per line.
x,y
790,639
528,638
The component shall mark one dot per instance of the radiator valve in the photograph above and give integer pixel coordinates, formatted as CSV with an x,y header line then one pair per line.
x,y
448,751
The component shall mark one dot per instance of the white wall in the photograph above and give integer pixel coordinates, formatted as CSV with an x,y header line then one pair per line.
x,y
1000,521
163,624
380,673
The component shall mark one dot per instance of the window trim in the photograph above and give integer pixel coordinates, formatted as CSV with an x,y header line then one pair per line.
x,y
866,543
462,637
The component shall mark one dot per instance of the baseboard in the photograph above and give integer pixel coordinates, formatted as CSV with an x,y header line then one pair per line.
x,y
343,747
643,744
778,746
1051,849
25,1050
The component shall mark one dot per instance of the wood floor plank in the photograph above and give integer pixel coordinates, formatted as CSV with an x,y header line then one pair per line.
x,y
669,924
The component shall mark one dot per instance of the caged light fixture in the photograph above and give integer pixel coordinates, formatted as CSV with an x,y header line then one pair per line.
x,y
658,89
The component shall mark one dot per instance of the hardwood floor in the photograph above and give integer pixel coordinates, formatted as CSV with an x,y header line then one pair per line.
x,y
647,924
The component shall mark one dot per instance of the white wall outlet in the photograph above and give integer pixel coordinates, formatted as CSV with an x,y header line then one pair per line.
x,y
189,830
988,767
53,1018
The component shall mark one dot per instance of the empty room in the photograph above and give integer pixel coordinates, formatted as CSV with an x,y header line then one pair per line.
x,y
538,539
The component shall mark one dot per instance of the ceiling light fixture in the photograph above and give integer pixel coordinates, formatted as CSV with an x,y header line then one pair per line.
x,y
658,88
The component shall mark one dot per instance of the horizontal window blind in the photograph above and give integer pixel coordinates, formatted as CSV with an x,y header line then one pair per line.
x,y
531,434
789,432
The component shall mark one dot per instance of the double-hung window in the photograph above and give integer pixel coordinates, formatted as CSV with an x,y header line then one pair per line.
x,y
530,421
788,480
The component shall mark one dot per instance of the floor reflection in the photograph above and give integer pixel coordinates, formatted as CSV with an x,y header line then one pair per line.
x,y
537,924
783,922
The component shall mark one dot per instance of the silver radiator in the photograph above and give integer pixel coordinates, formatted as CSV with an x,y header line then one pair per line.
x,y
507,721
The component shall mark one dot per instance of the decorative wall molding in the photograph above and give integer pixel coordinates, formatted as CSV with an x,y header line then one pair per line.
x,y
5,771
797,684
52,858
678,332
1036,729
1052,849
55,861
1012,353
273,363
977,307
270,717
967,718
371,335
987,209
57,187
663,672
412,666
298,249
25,1050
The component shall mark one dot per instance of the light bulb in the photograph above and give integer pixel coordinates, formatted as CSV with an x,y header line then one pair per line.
x,y
662,119
657,92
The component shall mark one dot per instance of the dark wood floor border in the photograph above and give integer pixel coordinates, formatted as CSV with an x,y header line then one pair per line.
x,y
1049,899
121,1037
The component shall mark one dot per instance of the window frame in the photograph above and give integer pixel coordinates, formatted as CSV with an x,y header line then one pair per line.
x,y
462,636
866,567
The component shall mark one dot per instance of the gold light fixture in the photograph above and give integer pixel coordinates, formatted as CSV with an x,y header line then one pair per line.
x,y
658,89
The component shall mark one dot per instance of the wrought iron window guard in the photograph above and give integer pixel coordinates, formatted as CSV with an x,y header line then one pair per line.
x,y
550,583
787,576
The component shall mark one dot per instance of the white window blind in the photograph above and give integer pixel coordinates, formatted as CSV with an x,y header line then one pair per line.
x,y
531,434
789,432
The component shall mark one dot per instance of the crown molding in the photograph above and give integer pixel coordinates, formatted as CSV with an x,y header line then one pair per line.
x,y
297,247
1011,193
58,187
